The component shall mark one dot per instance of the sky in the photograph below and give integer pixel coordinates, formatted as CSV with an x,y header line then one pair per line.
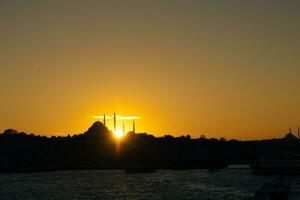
x,y
216,68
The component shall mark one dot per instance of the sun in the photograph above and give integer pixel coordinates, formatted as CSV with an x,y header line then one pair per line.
x,y
118,133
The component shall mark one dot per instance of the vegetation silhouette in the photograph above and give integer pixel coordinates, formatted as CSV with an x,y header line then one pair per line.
x,y
97,148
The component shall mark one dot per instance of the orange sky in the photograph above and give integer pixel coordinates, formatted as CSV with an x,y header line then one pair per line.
x,y
219,68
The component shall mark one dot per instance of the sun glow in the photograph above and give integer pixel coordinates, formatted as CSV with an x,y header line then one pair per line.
x,y
118,133
118,117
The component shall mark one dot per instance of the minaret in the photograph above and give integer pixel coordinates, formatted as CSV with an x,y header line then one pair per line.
x,y
290,130
123,128
104,119
115,122
133,126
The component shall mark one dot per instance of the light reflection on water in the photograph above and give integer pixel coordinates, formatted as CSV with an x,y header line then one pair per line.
x,y
229,184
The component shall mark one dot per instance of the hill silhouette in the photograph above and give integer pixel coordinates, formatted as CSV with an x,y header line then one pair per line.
x,y
98,149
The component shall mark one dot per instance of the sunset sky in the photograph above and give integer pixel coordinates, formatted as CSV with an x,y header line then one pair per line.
x,y
219,68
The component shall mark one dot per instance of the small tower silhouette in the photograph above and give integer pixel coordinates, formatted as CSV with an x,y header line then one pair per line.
x,y
290,129
133,126
298,132
123,128
115,122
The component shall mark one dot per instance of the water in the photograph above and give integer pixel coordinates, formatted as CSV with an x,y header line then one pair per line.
x,y
227,184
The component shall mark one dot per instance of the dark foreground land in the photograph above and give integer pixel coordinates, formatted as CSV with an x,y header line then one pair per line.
x,y
98,149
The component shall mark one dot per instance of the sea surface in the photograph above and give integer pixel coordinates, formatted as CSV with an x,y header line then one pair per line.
x,y
233,184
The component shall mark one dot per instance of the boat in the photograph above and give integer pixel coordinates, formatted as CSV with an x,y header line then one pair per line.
x,y
139,169
277,190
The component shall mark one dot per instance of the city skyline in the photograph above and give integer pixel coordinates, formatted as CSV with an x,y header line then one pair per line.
x,y
118,125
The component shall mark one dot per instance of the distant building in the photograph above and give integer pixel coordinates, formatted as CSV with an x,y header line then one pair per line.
x,y
10,132
98,129
290,136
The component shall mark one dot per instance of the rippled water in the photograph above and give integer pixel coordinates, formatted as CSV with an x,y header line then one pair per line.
x,y
165,184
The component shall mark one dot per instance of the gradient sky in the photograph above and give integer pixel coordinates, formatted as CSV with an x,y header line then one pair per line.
x,y
219,68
